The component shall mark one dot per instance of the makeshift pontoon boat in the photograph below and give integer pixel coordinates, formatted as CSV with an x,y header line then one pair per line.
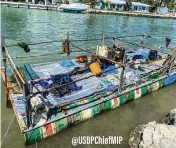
x,y
48,98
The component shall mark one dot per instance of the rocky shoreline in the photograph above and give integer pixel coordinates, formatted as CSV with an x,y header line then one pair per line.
x,y
155,135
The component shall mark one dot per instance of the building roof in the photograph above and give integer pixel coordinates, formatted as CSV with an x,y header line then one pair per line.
x,y
139,4
122,2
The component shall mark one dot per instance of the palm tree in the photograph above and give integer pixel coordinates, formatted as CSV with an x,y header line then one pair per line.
x,y
127,6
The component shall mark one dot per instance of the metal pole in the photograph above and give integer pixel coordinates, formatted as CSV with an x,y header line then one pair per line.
x,y
5,70
68,45
102,38
28,106
121,79
122,71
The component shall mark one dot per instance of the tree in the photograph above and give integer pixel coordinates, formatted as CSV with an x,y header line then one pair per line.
x,y
159,3
107,3
127,5
92,3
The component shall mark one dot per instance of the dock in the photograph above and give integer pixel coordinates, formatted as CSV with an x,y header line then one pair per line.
x,y
29,6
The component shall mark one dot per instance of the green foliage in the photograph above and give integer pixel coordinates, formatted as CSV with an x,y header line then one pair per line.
x,y
66,2
171,6
153,3
127,6
107,3
92,3
161,3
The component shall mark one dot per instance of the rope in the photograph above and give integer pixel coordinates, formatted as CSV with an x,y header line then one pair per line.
x,y
95,39
7,129
137,44
80,40
160,37
45,54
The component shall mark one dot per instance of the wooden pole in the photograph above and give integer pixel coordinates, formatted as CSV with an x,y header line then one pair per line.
x,y
16,70
11,61
15,77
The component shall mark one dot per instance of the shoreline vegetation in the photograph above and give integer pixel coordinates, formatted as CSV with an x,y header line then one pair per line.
x,y
91,11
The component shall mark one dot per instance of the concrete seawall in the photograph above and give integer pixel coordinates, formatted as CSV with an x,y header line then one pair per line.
x,y
135,14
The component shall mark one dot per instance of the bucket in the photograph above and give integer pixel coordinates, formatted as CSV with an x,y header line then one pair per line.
x,y
95,68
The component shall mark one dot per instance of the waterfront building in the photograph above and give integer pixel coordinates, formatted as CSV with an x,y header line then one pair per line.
x,y
138,6
111,4
162,10
121,4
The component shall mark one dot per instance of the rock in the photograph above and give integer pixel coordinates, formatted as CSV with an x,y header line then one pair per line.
x,y
155,135
170,119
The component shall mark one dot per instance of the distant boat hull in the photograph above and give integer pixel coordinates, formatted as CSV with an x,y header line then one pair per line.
x,y
76,8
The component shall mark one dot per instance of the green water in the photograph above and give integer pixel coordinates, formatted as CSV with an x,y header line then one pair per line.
x,y
36,25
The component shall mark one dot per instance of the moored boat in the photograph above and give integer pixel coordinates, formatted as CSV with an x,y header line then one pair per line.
x,y
75,7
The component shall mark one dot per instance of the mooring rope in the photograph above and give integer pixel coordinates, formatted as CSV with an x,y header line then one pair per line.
x,y
161,37
138,44
7,130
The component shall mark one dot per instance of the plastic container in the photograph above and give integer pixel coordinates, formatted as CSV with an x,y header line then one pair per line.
x,y
95,68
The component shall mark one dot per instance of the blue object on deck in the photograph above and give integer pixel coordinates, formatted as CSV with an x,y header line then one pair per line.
x,y
143,52
170,80
46,83
110,87
110,69
67,63
29,73
61,79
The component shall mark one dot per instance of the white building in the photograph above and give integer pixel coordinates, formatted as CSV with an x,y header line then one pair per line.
x,y
113,4
117,4
138,6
